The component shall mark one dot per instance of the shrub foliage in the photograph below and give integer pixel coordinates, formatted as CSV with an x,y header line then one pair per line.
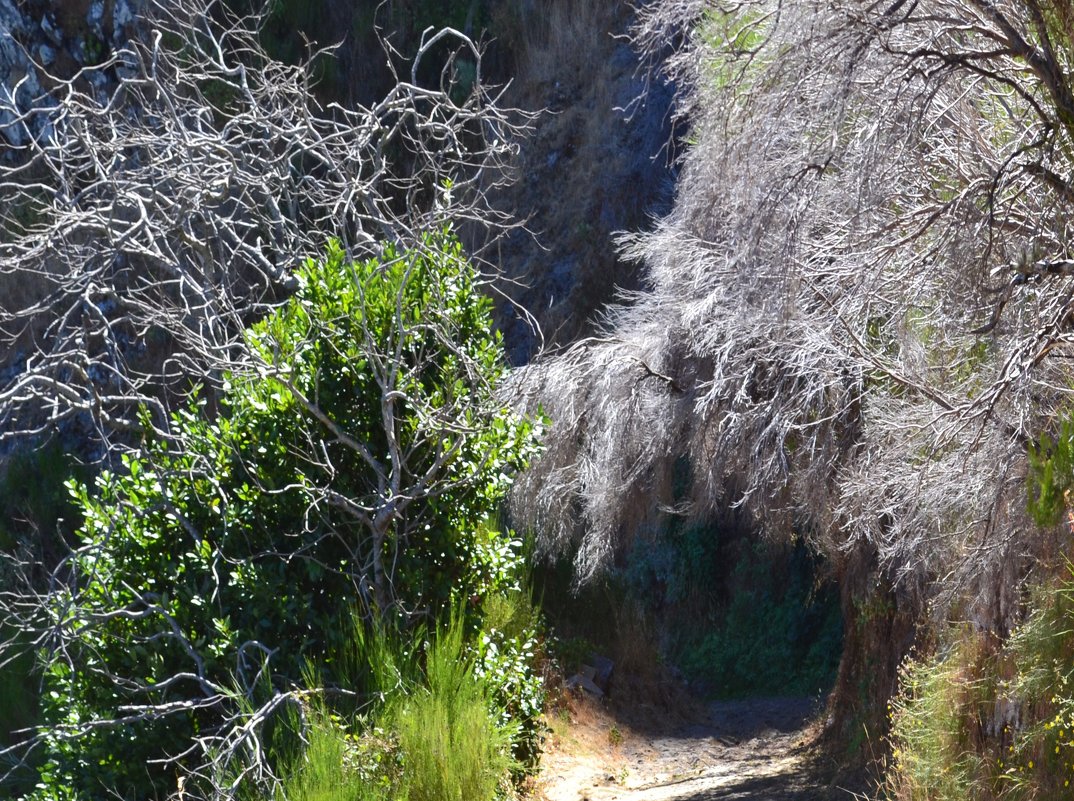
x,y
352,468
989,717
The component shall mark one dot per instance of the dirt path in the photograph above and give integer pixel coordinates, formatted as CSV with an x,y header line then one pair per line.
x,y
759,749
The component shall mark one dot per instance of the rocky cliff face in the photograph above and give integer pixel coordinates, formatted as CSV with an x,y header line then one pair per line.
x,y
42,42
600,162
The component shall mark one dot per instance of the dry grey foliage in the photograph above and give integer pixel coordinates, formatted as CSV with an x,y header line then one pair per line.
x,y
159,201
860,307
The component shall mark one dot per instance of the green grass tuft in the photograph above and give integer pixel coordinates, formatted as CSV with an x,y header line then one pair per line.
x,y
431,729
934,756
454,748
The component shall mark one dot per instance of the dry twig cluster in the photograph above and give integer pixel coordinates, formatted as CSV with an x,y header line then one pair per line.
x,y
161,199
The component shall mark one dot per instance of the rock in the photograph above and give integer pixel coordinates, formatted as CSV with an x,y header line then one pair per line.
x,y
51,30
96,16
126,65
593,679
603,668
122,16
11,21
101,84
33,42
12,60
561,279
581,682
20,91
12,55
10,129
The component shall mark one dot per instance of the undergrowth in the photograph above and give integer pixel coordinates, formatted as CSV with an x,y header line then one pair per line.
x,y
779,634
330,768
433,727
37,515
980,719
35,505
455,748
934,754
740,617
990,718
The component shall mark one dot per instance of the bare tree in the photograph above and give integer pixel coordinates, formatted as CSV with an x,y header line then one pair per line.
x,y
860,307
160,200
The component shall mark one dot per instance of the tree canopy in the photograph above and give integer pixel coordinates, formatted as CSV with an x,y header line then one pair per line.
x,y
859,312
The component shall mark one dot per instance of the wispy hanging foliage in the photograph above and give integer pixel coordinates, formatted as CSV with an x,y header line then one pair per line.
x,y
859,309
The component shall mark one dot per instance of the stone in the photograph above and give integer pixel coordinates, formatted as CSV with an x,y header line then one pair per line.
x,y
12,61
603,668
122,16
581,682
11,128
96,16
11,19
126,65
51,30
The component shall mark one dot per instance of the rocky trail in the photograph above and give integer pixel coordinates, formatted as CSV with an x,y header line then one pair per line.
x,y
758,749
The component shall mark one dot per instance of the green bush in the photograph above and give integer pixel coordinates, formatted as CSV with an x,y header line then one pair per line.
x,y
352,469
37,517
336,765
743,618
980,719
507,649
935,753
984,718
768,644
18,712
1051,475
1040,750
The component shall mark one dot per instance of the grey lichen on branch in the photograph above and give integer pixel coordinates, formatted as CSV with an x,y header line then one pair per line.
x,y
825,325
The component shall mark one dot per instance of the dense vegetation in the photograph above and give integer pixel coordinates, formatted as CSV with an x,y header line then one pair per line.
x,y
856,329
235,571
854,341
281,571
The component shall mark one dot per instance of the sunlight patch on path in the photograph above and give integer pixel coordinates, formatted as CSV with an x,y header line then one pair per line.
x,y
754,749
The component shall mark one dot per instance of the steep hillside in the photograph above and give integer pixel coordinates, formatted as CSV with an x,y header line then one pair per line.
x,y
826,417
600,161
